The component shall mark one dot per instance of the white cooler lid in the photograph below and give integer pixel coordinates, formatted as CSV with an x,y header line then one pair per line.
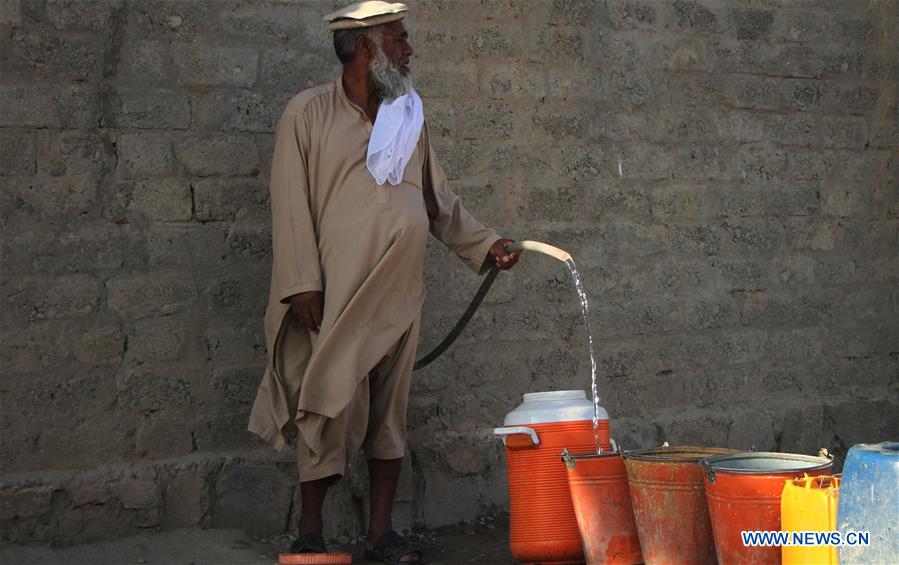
x,y
553,406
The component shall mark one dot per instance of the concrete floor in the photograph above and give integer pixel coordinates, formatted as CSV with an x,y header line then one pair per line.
x,y
483,542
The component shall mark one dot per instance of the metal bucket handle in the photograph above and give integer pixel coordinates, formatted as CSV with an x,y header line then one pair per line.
x,y
571,462
707,470
709,473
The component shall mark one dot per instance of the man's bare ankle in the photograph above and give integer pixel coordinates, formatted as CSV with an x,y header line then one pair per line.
x,y
304,528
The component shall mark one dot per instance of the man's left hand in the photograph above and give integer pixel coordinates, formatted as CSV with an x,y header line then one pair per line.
x,y
503,258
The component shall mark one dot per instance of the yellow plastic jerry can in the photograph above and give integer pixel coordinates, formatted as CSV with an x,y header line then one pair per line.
x,y
809,504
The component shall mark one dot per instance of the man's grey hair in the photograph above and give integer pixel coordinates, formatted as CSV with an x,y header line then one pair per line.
x,y
345,40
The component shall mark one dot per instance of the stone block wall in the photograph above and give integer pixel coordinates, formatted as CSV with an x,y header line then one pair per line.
x,y
725,175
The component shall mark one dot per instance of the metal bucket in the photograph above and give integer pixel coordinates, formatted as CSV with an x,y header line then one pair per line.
x,y
743,492
602,504
668,496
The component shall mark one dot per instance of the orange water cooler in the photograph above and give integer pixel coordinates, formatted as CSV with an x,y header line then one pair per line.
x,y
542,524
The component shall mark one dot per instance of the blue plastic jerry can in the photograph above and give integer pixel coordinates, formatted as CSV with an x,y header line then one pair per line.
x,y
868,509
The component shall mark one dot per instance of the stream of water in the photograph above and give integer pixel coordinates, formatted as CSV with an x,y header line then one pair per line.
x,y
585,311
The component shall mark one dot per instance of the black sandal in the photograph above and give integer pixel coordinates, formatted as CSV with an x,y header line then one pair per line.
x,y
309,543
391,548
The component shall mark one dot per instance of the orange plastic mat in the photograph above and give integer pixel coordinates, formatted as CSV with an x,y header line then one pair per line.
x,y
315,559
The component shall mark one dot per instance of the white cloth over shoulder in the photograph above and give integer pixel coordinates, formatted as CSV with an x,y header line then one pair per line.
x,y
394,137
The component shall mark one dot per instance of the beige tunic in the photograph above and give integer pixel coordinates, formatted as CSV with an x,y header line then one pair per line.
x,y
363,245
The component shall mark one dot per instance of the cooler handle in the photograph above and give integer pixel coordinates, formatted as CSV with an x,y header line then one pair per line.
x,y
505,433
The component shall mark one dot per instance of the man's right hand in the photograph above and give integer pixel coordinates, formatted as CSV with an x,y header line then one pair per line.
x,y
307,307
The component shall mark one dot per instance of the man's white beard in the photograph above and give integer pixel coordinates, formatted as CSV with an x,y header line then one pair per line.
x,y
388,79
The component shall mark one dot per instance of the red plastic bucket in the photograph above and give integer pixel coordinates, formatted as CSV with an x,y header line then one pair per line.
x,y
602,504
670,509
743,492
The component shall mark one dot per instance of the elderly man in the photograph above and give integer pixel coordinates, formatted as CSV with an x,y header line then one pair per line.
x,y
355,189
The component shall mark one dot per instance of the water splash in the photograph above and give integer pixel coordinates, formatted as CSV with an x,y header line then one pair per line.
x,y
585,311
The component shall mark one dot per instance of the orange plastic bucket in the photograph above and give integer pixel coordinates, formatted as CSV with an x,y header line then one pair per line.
x,y
743,492
602,504
670,509
542,524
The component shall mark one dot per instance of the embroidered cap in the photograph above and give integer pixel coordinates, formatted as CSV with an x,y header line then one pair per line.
x,y
366,14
